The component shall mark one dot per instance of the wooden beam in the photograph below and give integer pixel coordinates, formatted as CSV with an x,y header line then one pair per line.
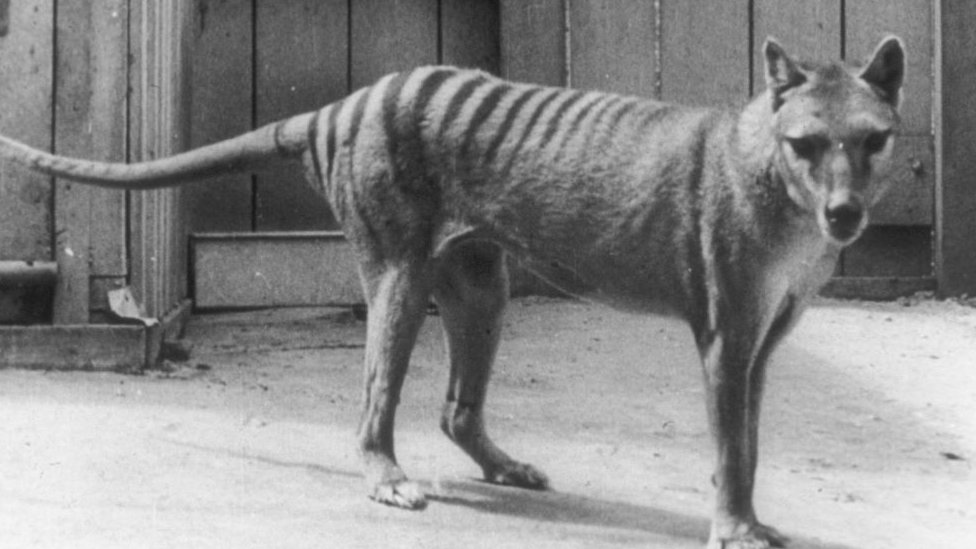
x,y
871,288
275,269
955,134
123,348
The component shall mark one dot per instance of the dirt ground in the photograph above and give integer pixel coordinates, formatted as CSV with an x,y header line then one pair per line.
x,y
869,437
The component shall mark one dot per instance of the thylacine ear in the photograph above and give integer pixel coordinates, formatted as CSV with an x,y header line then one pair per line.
x,y
886,70
782,73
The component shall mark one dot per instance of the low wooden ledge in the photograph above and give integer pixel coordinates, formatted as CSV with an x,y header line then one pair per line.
x,y
91,347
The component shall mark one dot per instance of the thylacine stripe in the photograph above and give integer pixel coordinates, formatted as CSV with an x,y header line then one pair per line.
x,y
614,124
555,121
313,140
653,116
596,127
574,125
487,105
428,89
514,111
332,122
529,127
457,103
356,122
390,115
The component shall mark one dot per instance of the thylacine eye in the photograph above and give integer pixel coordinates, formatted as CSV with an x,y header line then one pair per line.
x,y
807,147
875,142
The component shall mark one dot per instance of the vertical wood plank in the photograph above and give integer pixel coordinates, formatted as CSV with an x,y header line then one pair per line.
x,y
469,34
808,29
288,84
158,77
26,63
221,108
143,117
955,199
533,41
90,112
870,20
186,19
391,36
612,46
705,60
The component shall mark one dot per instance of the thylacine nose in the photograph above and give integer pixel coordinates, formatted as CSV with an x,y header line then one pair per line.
x,y
845,218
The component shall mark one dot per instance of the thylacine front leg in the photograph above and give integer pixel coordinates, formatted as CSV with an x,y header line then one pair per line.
x,y
735,352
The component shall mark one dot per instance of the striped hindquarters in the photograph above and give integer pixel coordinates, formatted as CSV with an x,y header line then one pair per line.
x,y
468,122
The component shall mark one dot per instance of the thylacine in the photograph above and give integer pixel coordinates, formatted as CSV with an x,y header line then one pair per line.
x,y
729,220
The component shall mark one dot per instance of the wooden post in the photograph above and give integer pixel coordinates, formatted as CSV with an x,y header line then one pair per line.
x,y
89,123
955,138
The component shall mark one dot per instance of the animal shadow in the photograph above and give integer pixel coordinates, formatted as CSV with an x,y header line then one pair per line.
x,y
567,508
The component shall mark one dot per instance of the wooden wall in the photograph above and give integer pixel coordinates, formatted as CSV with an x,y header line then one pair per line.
x,y
98,79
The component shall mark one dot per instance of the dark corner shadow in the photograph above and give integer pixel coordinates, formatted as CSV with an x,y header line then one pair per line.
x,y
552,506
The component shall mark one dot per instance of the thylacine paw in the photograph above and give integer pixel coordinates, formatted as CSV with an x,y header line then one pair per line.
x,y
758,536
520,475
404,494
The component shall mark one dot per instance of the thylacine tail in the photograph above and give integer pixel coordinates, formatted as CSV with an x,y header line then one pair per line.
x,y
246,152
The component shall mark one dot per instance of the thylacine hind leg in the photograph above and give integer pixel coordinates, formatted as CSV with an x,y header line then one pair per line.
x,y
397,295
471,290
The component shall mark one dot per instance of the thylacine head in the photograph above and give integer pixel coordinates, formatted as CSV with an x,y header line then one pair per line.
x,y
827,132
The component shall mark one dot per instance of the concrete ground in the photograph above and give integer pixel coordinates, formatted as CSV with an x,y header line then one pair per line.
x,y
869,437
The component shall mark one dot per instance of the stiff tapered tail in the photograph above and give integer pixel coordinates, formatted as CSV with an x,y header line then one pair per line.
x,y
285,139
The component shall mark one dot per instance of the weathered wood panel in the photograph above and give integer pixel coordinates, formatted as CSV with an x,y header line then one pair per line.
x,y
78,347
160,69
955,262
301,65
26,88
910,200
221,106
533,41
469,34
390,36
870,20
90,113
612,46
891,250
126,348
806,28
877,288
705,60
274,270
